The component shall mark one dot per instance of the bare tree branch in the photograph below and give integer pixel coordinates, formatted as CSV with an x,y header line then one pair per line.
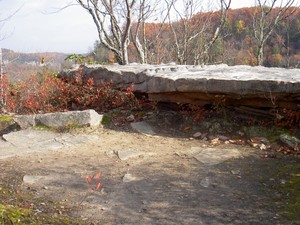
x,y
147,10
114,32
265,19
5,19
191,40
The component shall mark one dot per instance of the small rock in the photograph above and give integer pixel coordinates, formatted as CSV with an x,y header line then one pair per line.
x,y
282,181
268,156
128,178
205,182
290,141
215,141
36,211
197,135
259,140
143,127
263,147
128,154
241,133
130,118
28,179
237,141
223,138
235,172
214,156
254,145
204,136
84,218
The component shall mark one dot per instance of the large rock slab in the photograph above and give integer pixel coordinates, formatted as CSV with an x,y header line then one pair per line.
x,y
30,141
218,84
143,128
214,156
60,119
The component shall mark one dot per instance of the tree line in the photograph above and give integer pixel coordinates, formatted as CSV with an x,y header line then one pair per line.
x,y
186,32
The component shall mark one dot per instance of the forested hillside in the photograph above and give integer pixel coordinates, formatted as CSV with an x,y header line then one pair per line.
x,y
189,40
20,66
186,41
240,47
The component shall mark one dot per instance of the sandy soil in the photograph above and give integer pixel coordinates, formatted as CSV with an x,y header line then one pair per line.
x,y
168,186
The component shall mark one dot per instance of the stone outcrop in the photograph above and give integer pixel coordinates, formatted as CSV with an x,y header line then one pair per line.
x,y
60,119
218,84
28,141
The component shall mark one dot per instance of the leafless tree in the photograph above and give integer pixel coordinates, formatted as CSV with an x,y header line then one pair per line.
x,y
223,13
188,31
121,22
183,30
4,19
265,19
113,19
148,11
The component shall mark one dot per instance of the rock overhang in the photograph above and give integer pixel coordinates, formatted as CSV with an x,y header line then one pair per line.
x,y
203,84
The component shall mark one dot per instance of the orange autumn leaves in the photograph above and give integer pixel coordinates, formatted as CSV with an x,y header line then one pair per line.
x,y
94,181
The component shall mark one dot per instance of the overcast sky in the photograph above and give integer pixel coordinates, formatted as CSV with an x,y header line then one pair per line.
x,y
35,29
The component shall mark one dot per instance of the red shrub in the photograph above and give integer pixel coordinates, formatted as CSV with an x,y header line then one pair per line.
x,y
41,94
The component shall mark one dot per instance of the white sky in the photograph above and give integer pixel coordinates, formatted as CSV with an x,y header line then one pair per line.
x,y
34,29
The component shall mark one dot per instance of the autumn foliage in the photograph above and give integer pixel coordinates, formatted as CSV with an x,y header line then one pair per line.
x,y
42,94
94,181
236,45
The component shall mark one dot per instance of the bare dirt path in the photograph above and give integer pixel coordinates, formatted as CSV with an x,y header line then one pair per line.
x,y
160,182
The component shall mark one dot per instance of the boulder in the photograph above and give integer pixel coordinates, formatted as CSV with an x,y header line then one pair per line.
x,y
60,119
25,121
217,84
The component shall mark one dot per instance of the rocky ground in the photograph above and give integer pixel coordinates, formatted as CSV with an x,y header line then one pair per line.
x,y
152,168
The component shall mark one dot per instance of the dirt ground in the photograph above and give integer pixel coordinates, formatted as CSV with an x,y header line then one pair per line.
x,y
167,185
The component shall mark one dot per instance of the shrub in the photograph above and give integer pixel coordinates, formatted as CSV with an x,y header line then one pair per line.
x,y
42,94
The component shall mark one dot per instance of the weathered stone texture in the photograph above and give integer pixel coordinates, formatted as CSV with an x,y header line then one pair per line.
x,y
236,85
60,119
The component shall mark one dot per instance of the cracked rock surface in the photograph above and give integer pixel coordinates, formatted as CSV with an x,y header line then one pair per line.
x,y
235,85
30,141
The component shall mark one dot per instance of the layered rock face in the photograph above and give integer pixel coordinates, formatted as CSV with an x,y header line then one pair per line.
x,y
257,87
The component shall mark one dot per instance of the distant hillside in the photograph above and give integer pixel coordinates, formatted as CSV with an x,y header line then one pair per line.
x,y
185,41
22,65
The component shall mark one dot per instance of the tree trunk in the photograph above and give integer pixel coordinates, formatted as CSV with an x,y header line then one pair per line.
x,y
260,55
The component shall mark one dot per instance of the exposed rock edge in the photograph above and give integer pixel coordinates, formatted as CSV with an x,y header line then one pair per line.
x,y
218,84
60,119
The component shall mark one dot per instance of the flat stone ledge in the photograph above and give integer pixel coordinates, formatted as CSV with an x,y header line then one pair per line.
x,y
235,85
60,119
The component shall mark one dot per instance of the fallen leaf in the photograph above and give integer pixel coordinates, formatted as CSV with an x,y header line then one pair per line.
x,y
89,179
99,185
97,176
